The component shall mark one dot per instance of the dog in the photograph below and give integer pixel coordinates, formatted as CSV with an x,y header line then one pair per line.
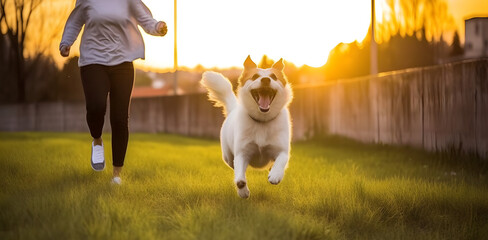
x,y
257,129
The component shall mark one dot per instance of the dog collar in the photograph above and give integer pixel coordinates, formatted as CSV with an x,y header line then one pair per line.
x,y
259,121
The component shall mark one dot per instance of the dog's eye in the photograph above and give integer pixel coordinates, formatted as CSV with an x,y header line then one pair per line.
x,y
273,76
255,76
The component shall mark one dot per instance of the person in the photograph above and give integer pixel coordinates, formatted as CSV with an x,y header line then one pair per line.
x,y
110,42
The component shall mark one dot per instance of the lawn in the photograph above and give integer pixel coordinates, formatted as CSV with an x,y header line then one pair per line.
x,y
179,188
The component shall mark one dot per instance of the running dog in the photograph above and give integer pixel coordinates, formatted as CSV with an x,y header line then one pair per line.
x,y
257,129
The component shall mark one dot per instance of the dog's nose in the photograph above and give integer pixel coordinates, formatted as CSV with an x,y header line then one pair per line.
x,y
265,81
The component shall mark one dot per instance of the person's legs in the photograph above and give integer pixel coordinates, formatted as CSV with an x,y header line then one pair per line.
x,y
95,86
121,84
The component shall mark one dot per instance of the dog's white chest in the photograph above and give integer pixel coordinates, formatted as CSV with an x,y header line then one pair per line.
x,y
261,136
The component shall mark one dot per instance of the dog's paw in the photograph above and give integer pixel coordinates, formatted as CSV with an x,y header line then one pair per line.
x,y
275,176
243,192
242,189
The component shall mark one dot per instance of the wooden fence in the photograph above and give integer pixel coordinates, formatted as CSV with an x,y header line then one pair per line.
x,y
432,108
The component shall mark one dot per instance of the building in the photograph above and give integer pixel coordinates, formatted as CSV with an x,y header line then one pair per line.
x,y
476,37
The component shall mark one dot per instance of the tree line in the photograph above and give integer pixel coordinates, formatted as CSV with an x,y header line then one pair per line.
x,y
400,52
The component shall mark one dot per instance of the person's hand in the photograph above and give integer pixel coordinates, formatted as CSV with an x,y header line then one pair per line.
x,y
162,28
64,50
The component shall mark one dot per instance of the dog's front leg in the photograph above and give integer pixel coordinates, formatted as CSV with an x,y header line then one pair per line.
x,y
278,170
240,166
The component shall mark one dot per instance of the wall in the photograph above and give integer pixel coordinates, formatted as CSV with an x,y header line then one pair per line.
x,y
476,37
433,108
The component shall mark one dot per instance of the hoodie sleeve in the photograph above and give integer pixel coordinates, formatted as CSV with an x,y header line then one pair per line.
x,y
73,25
144,17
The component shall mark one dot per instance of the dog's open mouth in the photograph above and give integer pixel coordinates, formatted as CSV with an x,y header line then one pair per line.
x,y
264,97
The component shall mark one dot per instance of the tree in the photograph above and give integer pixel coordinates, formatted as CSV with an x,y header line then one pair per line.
x,y
16,29
456,49
347,61
5,65
28,36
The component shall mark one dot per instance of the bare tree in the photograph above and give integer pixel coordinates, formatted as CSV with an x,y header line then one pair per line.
x,y
16,18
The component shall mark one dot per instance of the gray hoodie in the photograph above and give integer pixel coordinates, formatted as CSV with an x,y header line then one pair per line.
x,y
110,36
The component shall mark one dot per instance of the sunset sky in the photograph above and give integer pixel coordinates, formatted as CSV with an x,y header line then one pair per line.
x,y
221,33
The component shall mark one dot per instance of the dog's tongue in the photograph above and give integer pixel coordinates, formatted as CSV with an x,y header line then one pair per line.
x,y
264,101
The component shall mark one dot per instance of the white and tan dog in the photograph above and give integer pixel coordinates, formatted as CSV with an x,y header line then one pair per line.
x,y
257,128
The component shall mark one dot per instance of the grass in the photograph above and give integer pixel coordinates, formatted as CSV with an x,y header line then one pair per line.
x,y
179,188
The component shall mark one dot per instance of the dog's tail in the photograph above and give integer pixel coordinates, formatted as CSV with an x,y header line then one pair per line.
x,y
219,91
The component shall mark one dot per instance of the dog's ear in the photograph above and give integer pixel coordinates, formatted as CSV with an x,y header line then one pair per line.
x,y
279,65
249,64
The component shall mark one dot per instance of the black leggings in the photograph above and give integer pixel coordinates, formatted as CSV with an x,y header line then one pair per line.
x,y
98,81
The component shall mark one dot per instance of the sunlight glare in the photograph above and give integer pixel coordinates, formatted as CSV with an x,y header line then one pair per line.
x,y
220,33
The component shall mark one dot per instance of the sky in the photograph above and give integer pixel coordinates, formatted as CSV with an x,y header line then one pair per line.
x,y
222,33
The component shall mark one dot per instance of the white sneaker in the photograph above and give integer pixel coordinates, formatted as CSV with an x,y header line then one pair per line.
x,y
97,157
117,181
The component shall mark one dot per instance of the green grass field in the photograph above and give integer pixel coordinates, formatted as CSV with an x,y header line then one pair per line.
x,y
179,188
